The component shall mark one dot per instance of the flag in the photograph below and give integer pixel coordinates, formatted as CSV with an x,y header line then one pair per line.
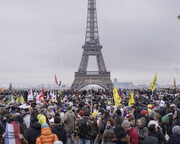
x,y
153,83
17,100
38,99
53,96
174,83
21,100
56,80
42,95
59,84
131,99
12,133
116,97
11,100
30,95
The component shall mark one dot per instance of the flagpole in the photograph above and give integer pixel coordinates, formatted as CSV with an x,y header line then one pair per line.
x,y
91,95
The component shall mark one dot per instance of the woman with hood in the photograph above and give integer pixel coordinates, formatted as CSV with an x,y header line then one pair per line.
x,y
141,130
19,119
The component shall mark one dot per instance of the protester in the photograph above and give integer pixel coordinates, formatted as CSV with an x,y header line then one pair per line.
x,y
59,130
159,111
134,138
46,135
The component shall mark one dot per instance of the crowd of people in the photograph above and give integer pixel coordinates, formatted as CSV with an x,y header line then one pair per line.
x,y
91,117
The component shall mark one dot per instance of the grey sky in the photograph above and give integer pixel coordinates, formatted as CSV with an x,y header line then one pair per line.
x,y
39,38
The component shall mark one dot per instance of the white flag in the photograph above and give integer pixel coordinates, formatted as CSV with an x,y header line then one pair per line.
x,y
30,95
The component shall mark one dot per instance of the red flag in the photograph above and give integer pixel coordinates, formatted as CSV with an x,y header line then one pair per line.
x,y
42,95
56,80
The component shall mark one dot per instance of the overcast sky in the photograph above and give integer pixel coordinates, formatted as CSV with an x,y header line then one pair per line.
x,y
41,38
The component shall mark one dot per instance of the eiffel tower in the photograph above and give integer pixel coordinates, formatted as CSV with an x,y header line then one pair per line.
x,y
92,47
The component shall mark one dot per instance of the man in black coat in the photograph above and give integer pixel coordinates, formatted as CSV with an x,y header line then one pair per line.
x,y
33,132
175,138
59,130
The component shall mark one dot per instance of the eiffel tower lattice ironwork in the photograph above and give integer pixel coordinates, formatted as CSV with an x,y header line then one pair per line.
x,y
92,47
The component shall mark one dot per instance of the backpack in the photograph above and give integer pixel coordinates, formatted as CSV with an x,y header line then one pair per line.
x,y
82,128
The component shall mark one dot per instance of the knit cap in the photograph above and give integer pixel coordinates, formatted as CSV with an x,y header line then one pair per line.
x,y
165,118
126,124
81,113
143,112
153,122
44,125
176,129
58,142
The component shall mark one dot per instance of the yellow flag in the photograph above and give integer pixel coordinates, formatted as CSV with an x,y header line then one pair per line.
x,y
174,83
56,100
17,100
116,97
94,114
153,83
21,99
131,99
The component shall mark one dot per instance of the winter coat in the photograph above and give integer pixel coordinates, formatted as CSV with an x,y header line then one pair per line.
x,y
46,137
151,139
134,138
69,119
60,131
2,129
142,132
19,118
174,139
32,133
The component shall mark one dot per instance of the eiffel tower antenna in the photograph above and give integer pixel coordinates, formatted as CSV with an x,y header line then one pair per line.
x,y
92,47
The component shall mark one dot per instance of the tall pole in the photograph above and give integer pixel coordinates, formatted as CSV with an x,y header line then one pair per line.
x,y
91,95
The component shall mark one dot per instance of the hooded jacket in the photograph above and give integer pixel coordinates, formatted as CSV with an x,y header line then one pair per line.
x,y
46,137
69,119
60,131
33,132
19,119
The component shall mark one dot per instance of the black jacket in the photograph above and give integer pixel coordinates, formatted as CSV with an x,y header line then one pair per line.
x,y
60,131
151,139
32,133
174,139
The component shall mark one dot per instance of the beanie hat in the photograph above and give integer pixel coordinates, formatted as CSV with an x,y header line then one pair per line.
x,y
143,112
153,122
81,113
165,118
58,142
176,129
126,124
158,116
44,125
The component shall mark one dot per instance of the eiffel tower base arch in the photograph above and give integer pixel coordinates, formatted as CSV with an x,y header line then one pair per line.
x,y
82,80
